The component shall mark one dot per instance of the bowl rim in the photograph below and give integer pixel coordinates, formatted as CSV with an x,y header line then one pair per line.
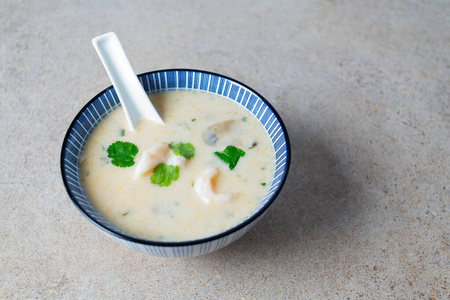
x,y
218,236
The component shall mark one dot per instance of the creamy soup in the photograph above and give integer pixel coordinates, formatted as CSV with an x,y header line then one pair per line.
x,y
207,197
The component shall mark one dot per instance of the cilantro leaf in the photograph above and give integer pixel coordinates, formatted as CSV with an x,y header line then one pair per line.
x,y
185,150
164,174
230,155
122,153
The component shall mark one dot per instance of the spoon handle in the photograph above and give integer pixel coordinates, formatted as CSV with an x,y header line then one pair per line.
x,y
132,96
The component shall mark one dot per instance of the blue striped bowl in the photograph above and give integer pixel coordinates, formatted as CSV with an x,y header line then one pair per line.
x,y
164,80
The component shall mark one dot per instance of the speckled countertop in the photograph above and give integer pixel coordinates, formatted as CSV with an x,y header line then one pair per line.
x,y
363,89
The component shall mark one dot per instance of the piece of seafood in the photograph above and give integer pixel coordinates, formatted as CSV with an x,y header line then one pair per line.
x,y
204,187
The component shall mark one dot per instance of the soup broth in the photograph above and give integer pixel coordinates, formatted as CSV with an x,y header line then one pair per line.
x,y
197,204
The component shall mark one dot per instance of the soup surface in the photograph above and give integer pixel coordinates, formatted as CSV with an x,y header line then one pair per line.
x,y
208,197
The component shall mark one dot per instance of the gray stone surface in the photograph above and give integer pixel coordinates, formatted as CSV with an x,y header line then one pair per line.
x,y
363,87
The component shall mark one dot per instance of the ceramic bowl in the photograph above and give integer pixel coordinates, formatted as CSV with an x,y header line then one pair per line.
x,y
175,79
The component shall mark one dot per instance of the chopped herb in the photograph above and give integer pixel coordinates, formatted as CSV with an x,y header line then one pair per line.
x,y
125,213
244,119
194,119
263,184
105,159
253,145
183,149
122,132
263,168
122,153
164,174
230,155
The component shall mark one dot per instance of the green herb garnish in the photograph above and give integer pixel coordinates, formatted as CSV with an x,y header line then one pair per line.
x,y
263,184
164,174
122,132
122,153
253,145
124,214
193,120
230,155
185,150
105,159
244,119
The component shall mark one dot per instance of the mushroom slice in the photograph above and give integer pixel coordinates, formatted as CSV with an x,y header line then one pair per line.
x,y
204,187
151,158
213,132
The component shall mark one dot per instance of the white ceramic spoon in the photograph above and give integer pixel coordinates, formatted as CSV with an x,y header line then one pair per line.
x,y
132,96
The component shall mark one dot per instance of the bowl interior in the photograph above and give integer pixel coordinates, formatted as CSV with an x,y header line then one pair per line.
x,y
159,81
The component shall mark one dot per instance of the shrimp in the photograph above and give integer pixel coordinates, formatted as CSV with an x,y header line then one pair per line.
x,y
151,158
204,187
155,155
176,160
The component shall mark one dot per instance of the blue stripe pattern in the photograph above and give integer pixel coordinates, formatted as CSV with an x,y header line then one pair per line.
x,y
160,81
